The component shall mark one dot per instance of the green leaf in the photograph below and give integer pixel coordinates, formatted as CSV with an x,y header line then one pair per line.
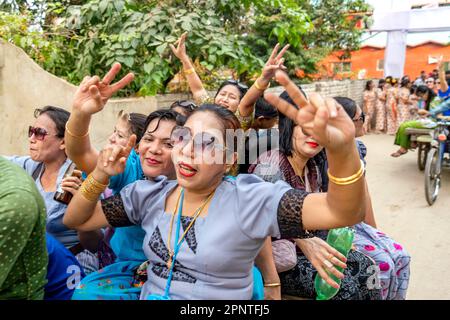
x,y
119,5
160,49
148,67
186,26
103,5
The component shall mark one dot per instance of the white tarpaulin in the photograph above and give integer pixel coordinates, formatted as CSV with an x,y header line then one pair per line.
x,y
417,20
399,20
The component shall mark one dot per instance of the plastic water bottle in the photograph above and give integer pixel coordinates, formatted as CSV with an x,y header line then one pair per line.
x,y
341,239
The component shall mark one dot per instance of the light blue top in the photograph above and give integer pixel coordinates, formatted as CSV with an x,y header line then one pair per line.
x,y
216,259
55,209
126,243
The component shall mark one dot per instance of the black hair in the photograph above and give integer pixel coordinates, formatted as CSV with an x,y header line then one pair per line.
x,y
225,116
240,86
421,90
413,89
368,83
405,81
136,121
286,126
166,115
58,115
381,83
348,104
265,109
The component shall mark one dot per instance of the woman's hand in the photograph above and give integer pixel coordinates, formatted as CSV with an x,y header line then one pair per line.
x,y
274,63
323,257
112,160
180,50
322,119
72,184
92,94
422,112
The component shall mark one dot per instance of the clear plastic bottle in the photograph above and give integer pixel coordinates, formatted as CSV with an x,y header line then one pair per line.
x,y
341,239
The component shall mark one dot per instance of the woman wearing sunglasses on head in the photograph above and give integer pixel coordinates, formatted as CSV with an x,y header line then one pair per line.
x,y
232,94
204,230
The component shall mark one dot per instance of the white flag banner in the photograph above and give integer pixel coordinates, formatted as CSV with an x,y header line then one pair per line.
x,y
394,57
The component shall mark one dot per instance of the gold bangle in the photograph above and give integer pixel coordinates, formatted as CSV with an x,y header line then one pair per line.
x,y
189,71
271,285
74,135
91,189
348,180
257,86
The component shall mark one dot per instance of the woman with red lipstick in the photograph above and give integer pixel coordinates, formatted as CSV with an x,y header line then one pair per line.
x,y
116,281
204,230
301,162
149,159
232,94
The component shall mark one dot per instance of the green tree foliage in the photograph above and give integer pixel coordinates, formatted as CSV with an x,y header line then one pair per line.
x,y
74,38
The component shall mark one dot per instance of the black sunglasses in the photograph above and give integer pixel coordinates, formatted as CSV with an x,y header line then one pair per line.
x,y
362,118
39,133
238,84
186,104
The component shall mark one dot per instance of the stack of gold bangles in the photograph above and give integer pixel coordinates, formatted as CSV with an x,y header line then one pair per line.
x,y
91,188
348,180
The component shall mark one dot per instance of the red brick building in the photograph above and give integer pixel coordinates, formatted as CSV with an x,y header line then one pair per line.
x,y
368,62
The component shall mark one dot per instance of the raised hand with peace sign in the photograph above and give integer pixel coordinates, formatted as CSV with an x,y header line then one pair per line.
x,y
323,119
93,93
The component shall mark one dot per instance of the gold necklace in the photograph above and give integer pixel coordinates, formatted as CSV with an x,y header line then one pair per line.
x,y
295,168
196,215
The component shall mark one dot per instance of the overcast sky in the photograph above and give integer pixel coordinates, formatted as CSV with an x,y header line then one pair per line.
x,y
380,39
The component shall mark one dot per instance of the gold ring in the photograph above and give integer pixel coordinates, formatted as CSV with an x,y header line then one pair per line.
x,y
328,264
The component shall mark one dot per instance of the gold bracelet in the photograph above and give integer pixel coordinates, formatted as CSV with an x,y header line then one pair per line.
x,y
189,71
257,86
348,180
271,285
91,189
73,135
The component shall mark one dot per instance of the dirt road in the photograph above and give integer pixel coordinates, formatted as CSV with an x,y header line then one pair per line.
x,y
397,189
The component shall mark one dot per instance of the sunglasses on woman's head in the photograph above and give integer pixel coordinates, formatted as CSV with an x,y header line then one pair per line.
x,y
203,141
39,133
238,84
361,118
184,104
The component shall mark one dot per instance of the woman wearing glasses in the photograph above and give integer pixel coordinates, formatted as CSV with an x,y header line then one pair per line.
x,y
151,157
232,94
204,230
46,163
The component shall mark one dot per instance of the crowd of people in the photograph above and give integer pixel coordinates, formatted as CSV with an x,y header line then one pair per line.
x,y
395,106
224,197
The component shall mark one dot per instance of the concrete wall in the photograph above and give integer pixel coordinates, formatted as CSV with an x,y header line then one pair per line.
x,y
25,86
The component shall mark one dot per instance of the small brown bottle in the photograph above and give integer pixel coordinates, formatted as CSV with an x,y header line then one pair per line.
x,y
61,195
